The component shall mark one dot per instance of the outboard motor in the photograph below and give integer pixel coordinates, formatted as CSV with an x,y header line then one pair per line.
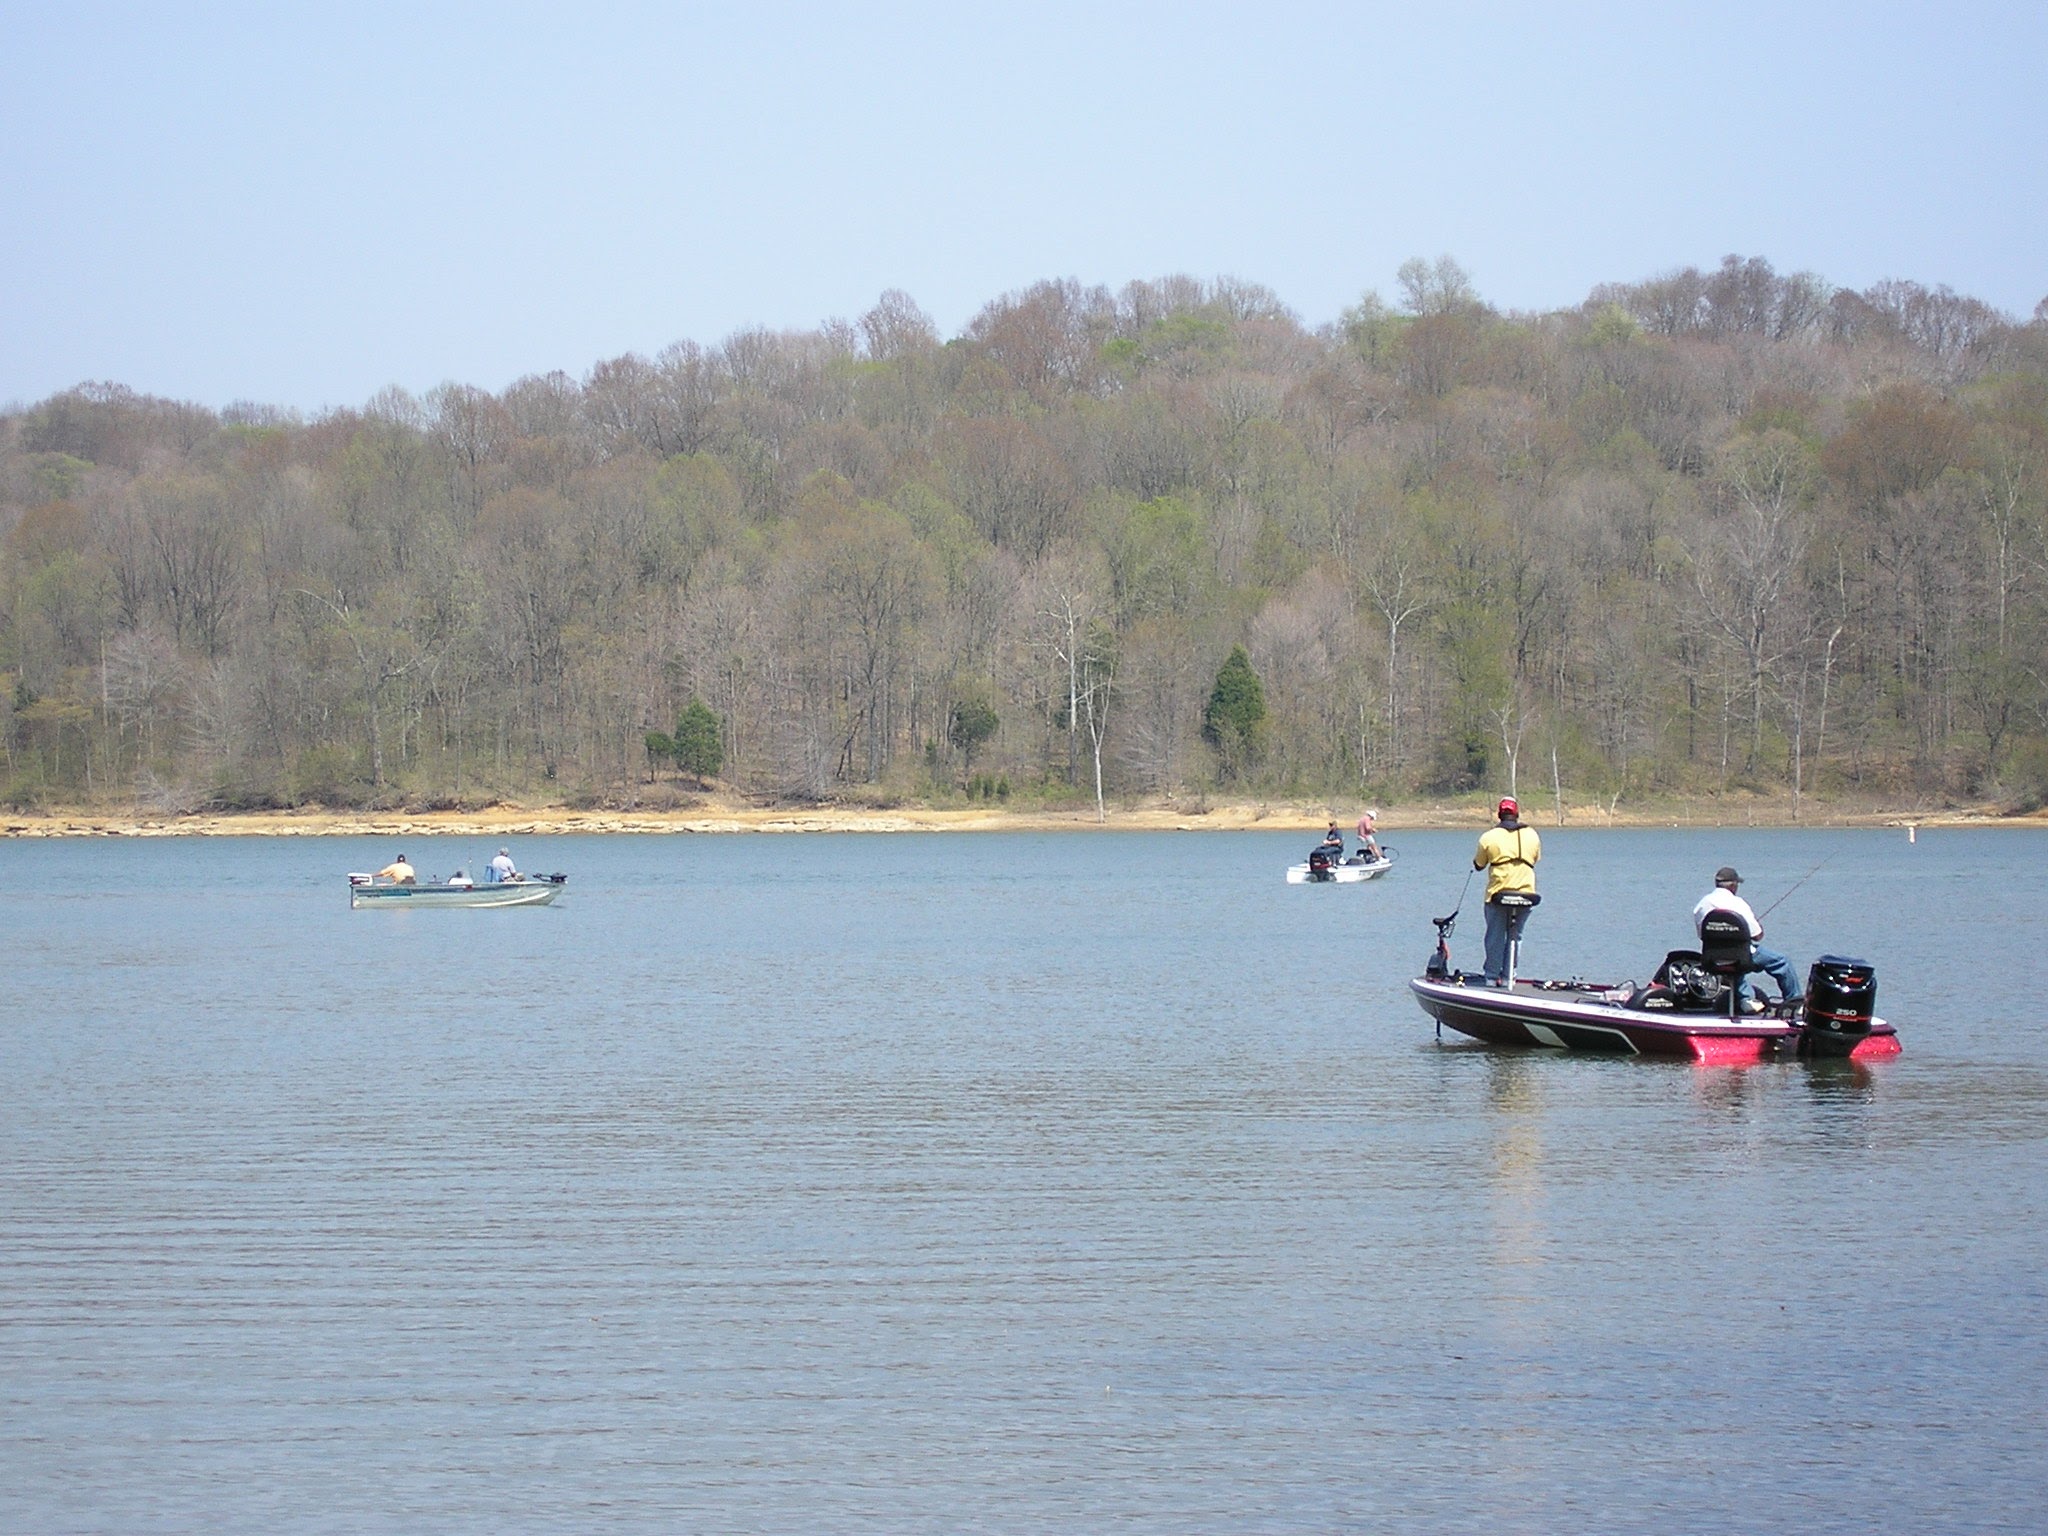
x,y
1841,998
1319,863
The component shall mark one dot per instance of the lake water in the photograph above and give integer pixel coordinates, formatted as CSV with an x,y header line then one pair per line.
x,y
929,1183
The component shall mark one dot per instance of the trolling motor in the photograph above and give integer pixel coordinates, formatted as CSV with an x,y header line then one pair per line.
x,y
1439,967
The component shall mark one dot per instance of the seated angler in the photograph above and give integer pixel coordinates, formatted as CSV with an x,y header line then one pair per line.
x,y
1723,898
1332,844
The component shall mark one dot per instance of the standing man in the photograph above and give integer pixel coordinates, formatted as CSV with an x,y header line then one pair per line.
x,y
1722,898
1508,853
1368,836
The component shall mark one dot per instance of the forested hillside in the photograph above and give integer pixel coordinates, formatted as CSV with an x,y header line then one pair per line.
x,y
1716,530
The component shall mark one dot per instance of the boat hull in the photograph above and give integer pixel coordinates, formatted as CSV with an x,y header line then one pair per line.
x,y
394,898
1338,874
1594,1019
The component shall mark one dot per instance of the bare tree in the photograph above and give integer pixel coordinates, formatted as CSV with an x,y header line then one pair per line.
x,y
1398,580
385,653
1746,564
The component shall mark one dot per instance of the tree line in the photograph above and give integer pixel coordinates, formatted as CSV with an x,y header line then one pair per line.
x,y
1720,530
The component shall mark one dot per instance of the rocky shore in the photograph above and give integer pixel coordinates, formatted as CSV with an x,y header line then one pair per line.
x,y
715,817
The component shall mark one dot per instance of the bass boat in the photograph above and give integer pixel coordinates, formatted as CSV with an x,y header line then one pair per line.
x,y
525,891
1691,1009
1324,869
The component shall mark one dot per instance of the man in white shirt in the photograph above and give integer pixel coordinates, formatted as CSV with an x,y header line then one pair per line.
x,y
500,868
1722,898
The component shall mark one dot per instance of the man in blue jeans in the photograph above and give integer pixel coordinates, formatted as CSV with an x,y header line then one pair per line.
x,y
1722,898
1508,853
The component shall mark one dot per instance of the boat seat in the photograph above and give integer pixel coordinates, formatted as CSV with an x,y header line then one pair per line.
x,y
1728,951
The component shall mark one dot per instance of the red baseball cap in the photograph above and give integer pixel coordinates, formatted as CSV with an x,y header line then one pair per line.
x,y
1508,807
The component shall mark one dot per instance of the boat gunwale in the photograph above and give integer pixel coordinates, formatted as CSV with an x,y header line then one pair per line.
x,y
517,893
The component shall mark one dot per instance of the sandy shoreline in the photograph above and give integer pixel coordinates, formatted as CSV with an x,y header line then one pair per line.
x,y
710,818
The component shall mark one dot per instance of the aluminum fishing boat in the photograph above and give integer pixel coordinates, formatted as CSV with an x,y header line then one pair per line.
x,y
526,891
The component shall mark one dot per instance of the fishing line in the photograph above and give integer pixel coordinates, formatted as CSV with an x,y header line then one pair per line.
x,y
1439,965
1467,886
1823,864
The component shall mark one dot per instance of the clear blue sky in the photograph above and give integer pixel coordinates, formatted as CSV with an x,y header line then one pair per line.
x,y
300,205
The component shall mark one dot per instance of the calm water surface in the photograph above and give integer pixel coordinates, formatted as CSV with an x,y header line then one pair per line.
x,y
999,1182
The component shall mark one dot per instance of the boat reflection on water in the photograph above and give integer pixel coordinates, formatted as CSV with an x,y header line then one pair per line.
x,y
1517,1199
1838,1080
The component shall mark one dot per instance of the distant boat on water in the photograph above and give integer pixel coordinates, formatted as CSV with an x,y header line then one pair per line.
x,y
526,891
1323,869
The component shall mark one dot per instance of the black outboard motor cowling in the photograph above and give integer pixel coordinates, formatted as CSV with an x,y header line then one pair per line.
x,y
1319,864
1841,998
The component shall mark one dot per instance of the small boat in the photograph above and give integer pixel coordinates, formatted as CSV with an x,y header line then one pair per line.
x,y
526,891
1321,869
1689,1010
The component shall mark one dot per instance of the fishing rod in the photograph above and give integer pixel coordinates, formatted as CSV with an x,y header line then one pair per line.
x,y
1767,911
1444,923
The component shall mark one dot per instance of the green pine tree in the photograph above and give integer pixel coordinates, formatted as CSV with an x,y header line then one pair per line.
x,y
697,747
659,750
1235,717
972,723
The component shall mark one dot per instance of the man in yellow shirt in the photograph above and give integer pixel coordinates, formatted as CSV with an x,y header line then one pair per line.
x,y
398,872
1508,853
